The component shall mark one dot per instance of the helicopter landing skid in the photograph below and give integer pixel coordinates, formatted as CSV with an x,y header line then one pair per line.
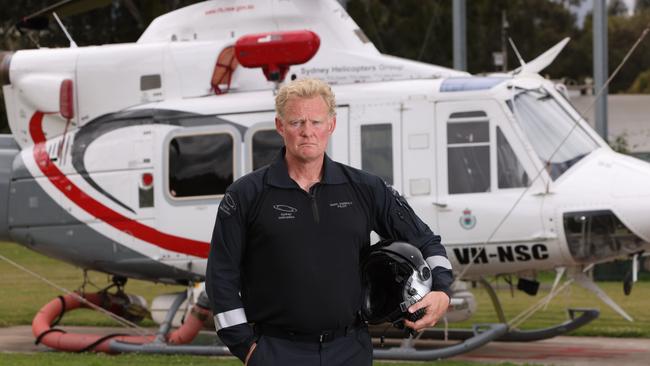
x,y
578,317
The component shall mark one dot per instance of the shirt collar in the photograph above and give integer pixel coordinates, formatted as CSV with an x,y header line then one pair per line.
x,y
278,174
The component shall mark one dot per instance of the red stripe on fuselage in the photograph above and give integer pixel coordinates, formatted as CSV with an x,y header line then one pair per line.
x,y
97,209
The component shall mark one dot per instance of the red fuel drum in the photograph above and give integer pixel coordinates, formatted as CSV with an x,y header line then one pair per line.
x,y
275,52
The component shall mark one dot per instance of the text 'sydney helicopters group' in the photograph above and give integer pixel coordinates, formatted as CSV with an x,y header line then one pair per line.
x,y
120,154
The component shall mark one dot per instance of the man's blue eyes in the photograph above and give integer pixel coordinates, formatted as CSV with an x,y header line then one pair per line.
x,y
301,123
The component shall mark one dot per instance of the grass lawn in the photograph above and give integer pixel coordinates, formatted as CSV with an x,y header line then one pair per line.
x,y
609,324
22,295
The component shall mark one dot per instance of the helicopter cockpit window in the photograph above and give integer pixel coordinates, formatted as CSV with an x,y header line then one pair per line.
x,y
377,150
468,152
550,130
510,172
266,144
200,165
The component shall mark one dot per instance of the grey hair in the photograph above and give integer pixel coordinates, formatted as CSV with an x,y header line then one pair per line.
x,y
305,88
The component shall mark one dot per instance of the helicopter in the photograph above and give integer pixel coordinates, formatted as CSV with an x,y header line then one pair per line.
x,y
119,155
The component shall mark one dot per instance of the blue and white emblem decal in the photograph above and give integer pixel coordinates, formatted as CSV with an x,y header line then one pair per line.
x,y
467,220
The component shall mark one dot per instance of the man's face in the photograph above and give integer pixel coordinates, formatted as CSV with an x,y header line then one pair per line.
x,y
305,128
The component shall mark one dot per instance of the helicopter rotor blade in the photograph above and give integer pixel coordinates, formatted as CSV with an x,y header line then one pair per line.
x,y
40,19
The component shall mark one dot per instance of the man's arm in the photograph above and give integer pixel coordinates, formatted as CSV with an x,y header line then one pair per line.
x,y
395,219
223,277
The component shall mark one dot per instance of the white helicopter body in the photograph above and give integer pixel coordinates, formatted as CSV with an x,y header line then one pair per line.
x,y
123,152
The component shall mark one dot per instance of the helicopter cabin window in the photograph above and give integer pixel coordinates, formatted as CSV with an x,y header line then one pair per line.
x,y
468,152
200,165
510,172
266,144
377,150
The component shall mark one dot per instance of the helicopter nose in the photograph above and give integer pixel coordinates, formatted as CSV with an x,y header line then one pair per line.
x,y
5,62
8,151
630,192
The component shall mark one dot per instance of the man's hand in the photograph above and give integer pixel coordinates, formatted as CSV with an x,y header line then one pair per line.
x,y
435,303
250,352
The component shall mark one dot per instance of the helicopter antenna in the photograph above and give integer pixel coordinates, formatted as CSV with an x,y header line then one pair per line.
x,y
72,42
514,47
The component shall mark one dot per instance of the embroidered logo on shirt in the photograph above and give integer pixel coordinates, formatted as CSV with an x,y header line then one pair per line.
x,y
227,204
344,204
286,212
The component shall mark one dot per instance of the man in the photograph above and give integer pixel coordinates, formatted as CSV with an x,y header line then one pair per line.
x,y
286,246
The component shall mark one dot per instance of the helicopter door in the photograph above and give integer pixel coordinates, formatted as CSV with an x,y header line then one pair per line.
x,y
419,163
375,143
483,172
198,165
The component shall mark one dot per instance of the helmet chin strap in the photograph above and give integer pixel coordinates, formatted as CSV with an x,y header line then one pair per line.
x,y
406,304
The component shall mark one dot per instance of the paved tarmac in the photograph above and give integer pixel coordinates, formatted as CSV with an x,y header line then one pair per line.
x,y
20,338
592,351
567,351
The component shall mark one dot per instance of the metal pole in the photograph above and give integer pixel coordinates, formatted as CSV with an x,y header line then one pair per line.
x,y
169,318
600,65
504,42
460,38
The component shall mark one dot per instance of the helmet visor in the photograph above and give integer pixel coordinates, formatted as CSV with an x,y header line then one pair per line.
x,y
384,282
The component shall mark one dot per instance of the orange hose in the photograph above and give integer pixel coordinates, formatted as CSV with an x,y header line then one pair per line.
x,y
78,342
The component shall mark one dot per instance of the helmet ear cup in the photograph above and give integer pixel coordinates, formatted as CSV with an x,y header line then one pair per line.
x,y
425,273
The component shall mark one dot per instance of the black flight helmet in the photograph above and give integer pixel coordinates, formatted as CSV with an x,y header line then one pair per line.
x,y
395,276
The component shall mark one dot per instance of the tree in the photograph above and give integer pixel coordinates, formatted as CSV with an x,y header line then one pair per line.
x,y
534,26
616,8
623,32
401,27
423,30
641,85
641,5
